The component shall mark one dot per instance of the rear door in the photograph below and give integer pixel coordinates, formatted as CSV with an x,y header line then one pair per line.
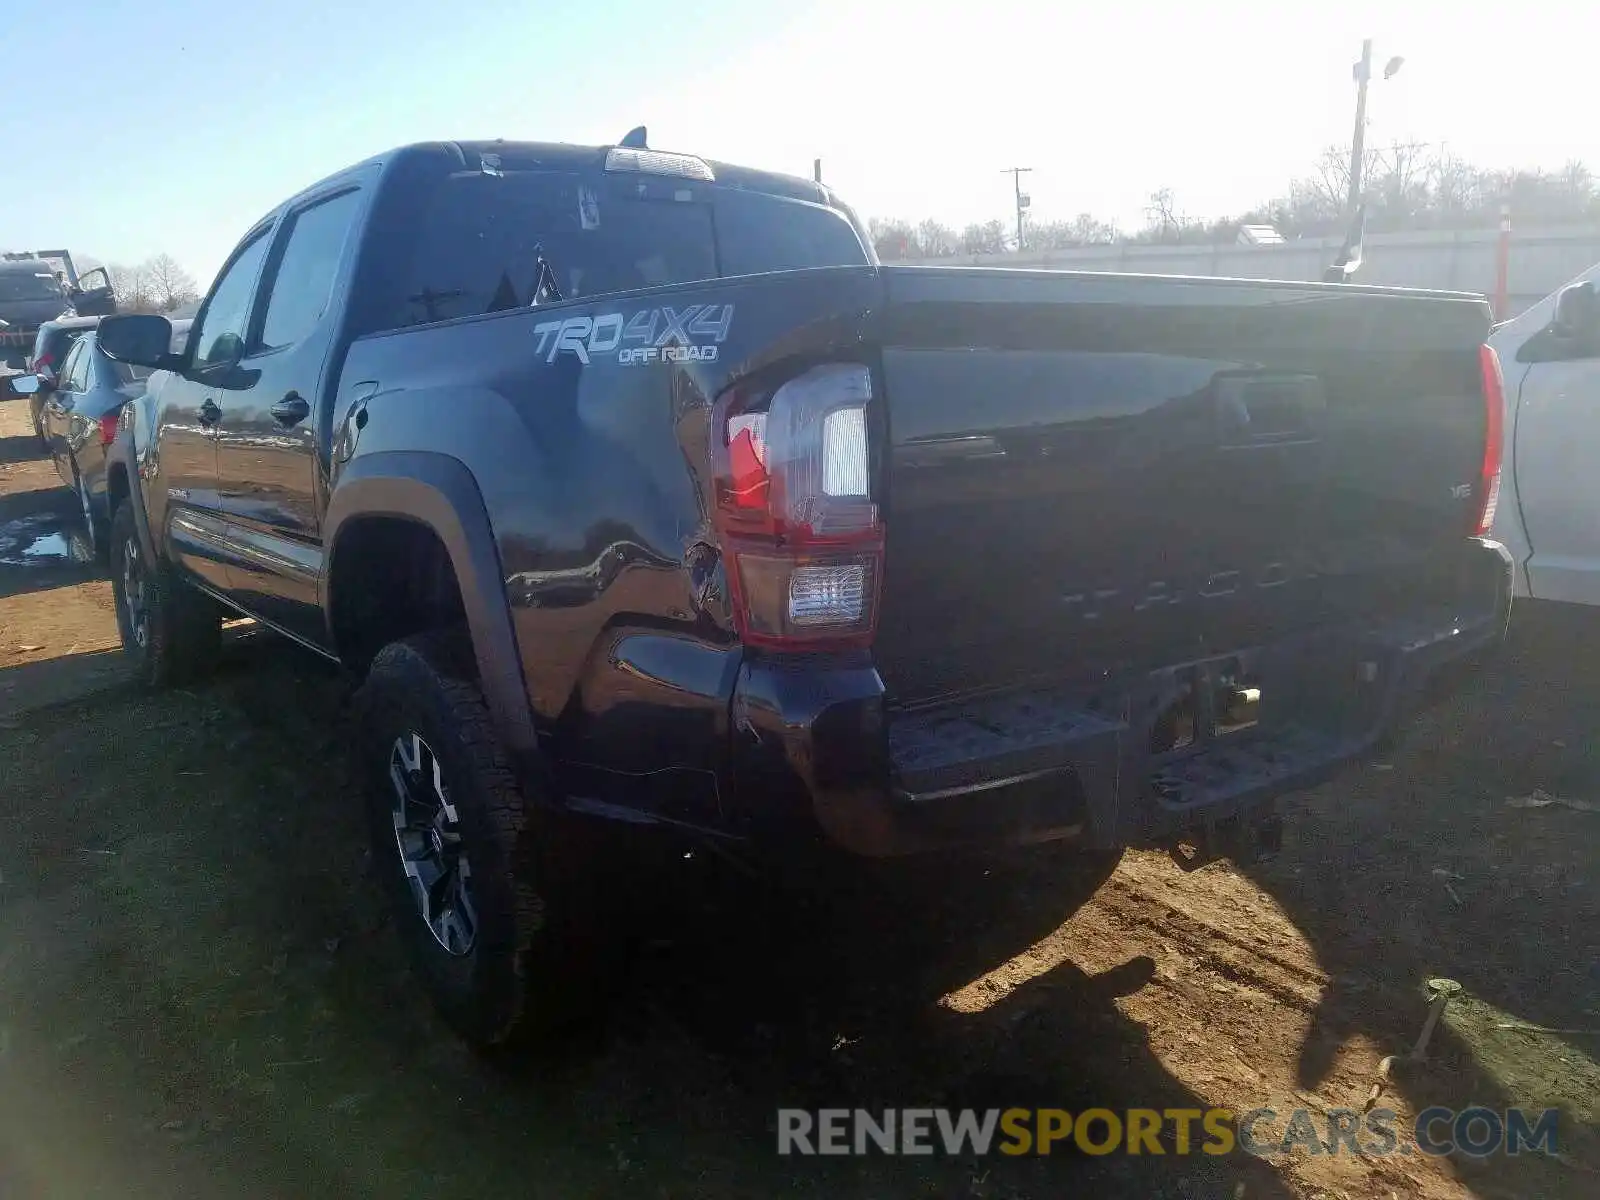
x,y
61,405
268,470
189,407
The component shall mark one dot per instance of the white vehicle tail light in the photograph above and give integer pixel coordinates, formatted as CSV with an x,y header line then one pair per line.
x,y
1494,400
801,534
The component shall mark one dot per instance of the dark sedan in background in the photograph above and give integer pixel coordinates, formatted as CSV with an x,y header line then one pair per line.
x,y
51,346
78,420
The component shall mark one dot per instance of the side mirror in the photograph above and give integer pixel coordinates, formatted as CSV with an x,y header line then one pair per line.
x,y
224,354
1578,314
21,385
138,339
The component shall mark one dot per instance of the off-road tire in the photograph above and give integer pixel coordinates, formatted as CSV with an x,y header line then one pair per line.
x,y
183,627
534,962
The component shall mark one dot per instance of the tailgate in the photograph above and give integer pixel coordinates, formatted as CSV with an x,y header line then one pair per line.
x,y
1091,475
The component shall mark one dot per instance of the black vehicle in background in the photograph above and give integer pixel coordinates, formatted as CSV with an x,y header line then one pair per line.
x,y
41,286
635,489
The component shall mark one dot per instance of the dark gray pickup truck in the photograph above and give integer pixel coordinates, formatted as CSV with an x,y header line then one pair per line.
x,y
633,487
34,290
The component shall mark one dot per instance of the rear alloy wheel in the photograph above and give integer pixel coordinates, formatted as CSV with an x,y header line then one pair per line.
x,y
170,632
501,937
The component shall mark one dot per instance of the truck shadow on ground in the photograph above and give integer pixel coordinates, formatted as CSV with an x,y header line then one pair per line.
x,y
233,981
232,973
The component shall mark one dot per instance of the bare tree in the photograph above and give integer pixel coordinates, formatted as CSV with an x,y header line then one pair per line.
x,y
1090,230
935,240
1407,186
170,285
1162,213
1083,230
892,239
987,238
132,288
1456,187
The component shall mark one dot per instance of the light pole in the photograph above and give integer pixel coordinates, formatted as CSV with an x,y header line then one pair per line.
x,y
1358,143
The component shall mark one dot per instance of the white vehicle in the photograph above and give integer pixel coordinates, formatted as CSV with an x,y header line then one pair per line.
x,y
1549,510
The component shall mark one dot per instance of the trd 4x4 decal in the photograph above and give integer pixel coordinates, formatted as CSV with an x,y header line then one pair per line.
x,y
691,333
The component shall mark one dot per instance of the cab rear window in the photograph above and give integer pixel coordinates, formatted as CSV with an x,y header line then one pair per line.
x,y
29,285
482,243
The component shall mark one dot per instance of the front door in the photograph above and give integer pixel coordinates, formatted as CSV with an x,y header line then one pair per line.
x,y
268,467
188,407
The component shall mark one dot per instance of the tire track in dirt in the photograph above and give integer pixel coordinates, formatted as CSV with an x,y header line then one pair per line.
x,y
1143,910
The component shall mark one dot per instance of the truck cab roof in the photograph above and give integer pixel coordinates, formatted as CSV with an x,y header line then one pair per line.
x,y
499,154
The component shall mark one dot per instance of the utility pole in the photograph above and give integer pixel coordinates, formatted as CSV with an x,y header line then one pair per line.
x,y
1358,143
1023,199
816,169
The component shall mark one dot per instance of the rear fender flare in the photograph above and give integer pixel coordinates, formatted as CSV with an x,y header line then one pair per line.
x,y
440,493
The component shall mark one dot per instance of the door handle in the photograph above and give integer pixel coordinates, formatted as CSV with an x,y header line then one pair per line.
x,y
291,409
210,412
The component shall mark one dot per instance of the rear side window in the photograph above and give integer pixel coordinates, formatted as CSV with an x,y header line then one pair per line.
x,y
51,346
75,371
310,261
757,233
485,243
479,243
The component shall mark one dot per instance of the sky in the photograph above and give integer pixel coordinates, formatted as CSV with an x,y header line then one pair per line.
x,y
173,125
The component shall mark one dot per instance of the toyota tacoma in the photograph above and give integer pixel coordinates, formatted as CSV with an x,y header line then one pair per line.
x,y
632,487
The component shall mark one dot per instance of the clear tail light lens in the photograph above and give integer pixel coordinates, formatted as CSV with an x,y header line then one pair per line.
x,y
801,531
1494,400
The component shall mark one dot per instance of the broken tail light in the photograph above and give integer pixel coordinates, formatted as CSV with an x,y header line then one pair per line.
x,y
801,532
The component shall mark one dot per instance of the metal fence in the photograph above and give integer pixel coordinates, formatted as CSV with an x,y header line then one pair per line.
x,y
1541,260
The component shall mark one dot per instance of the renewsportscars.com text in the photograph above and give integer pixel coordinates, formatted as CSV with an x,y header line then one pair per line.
x,y
1476,1131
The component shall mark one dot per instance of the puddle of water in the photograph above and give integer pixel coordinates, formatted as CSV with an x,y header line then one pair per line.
x,y
31,542
51,545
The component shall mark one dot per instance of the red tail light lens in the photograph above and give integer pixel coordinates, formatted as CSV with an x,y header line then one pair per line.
x,y
801,534
108,427
1494,399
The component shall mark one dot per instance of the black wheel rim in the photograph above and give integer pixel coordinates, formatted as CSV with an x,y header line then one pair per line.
x,y
133,599
427,834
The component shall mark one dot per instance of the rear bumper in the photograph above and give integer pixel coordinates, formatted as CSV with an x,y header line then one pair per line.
x,y
816,751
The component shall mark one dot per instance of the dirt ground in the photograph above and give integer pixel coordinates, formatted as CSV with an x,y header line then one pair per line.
x,y
200,996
